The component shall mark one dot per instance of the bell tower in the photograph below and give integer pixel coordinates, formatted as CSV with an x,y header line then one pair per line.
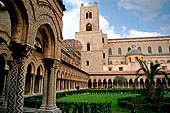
x,y
91,38
89,18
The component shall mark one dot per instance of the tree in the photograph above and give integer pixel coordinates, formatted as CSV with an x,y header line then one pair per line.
x,y
152,94
120,80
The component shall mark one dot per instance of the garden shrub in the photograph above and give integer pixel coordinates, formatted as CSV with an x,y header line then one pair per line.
x,y
84,107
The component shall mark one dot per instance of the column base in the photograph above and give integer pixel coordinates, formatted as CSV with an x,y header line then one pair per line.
x,y
49,110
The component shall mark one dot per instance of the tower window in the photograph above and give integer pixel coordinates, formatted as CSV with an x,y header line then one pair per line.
x,y
104,55
87,63
88,27
102,40
159,49
119,51
90,15
87,15
88,46
149,50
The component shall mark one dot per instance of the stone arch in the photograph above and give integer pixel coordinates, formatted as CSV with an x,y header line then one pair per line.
x,y
104,83
141,83
130,83
45,37
99,83
19,19
94,83
89,83
88,27
38,79
29,75
109,83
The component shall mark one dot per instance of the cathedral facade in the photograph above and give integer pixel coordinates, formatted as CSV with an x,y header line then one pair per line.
x,y
104,59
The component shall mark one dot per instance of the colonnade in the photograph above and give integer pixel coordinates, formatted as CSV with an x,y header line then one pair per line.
x,y
111,83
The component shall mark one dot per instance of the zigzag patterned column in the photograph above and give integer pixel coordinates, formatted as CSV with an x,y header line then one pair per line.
x,y
16,77
12,86
20,87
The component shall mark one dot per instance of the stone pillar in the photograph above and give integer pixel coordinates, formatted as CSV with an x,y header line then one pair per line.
x,y
5,89
97,86
128,84
68,84
32,84
16,82
59,84
49,91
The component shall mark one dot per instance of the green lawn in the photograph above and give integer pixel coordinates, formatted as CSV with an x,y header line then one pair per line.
x,y
98,98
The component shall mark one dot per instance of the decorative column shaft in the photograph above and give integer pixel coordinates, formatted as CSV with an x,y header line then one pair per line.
x,y
16,82
49,91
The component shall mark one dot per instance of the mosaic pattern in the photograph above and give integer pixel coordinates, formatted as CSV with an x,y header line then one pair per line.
x,y
12,87
20,88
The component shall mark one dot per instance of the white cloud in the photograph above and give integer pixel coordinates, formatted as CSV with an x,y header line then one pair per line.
x,y
124,28
71,24
135,33
106,28
71,21
148,8
165,28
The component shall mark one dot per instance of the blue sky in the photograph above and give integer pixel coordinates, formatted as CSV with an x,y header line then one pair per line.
x,y
122,18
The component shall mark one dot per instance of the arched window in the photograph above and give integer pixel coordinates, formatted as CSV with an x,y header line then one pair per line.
x,y
159,49
110,51
119,51
87,15
149,50
88,27
139,48
88,46
129,48
90,15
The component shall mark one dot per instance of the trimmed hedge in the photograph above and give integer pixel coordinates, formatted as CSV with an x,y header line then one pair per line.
x,y
140,106
33,102
84,107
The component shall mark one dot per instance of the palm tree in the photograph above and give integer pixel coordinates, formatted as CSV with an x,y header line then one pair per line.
x,y
150,74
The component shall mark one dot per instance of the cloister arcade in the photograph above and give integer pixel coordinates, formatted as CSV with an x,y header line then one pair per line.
x,y
110,82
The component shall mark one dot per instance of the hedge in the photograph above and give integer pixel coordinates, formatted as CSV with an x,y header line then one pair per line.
x,y
84,107
140,106
35,101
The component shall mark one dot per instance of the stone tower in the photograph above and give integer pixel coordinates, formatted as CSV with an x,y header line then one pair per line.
x,y
91,38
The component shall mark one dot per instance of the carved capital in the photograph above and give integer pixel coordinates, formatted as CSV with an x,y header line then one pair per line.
x,y
20,52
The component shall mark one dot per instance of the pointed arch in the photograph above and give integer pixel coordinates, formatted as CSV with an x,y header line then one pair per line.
x,y
89,27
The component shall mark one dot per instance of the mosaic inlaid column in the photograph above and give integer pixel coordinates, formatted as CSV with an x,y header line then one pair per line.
x,y
16,78
20,87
